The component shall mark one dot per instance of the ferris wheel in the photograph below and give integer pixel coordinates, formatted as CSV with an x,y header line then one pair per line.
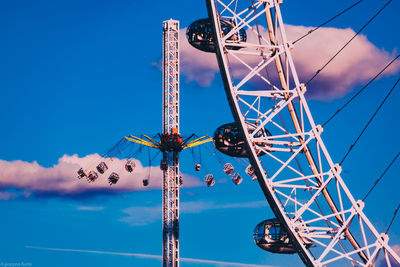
x,y
316,214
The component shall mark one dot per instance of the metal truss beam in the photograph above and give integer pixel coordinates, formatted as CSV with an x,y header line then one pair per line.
x,y
171,175
302,183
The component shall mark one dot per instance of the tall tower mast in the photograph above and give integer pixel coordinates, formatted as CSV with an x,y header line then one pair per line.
x,y
170,144
171,134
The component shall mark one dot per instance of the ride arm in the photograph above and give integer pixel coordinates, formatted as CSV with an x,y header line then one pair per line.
x,y
151,140
140,141
198,141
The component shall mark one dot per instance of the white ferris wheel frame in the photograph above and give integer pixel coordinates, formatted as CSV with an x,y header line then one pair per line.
x,y
349,236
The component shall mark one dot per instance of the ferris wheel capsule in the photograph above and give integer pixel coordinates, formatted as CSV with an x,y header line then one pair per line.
x,y
270,236
229,140
199,34
197,167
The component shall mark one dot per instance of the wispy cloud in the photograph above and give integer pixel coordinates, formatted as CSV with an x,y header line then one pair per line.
x,y
8,195
145,215
358,63
90,208
60,180
200,206
150,256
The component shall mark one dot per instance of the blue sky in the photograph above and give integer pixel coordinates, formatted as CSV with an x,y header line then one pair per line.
x,y
76,76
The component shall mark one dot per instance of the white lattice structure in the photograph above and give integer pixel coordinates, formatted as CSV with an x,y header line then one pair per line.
x,y
300,180
171,126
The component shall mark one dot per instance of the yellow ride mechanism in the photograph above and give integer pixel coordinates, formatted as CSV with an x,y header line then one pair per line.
x,y
198,141
155,144
151,140
140,141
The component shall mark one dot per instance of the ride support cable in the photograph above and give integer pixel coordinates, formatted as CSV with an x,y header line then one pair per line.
x,y
348,42
369,121
360,91
329,20
381,176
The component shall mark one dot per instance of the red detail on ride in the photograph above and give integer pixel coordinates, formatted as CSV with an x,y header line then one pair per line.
x,y
171,142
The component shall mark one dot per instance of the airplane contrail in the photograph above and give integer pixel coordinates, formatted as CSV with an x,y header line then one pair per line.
x,y
150,256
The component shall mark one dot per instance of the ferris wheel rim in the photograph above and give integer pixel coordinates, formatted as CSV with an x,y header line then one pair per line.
x,y
235,112
303,252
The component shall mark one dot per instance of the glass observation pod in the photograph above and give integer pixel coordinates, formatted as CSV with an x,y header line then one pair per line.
x,y
102,167
229,141
270,236
199,34
197,167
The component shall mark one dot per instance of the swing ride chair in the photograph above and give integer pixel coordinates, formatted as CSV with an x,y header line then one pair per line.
x,y
316,214
107,158
167,143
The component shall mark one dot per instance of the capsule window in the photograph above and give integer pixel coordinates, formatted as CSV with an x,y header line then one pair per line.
x,y
274,232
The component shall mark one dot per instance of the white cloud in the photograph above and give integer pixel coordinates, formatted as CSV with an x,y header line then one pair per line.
x,y
61,178
358,62
145,215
